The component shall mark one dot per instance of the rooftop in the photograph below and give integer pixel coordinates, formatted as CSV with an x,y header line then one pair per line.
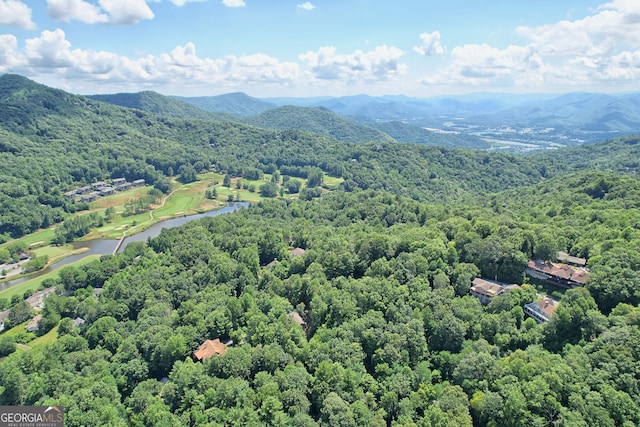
x,y
562,271
209,348
563,256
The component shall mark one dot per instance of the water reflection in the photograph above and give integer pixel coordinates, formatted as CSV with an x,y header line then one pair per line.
x,y
106,246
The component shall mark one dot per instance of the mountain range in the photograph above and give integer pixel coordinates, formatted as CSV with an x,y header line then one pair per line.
x,y
569,119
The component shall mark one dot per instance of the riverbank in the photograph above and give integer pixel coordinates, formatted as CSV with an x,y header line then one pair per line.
x,y
35,283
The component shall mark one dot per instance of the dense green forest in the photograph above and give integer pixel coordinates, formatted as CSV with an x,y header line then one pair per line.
x,y
52,141
390,334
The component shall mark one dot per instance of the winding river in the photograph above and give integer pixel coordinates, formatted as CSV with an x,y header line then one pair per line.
x,y
106,247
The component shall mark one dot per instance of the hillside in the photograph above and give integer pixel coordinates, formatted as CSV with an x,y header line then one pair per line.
x,y
53,141
403,132
349,307
237,104
317,120
621,155
583,111
371,324
161,105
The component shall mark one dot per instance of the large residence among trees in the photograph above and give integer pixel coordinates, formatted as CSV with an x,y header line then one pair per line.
x,y
563,275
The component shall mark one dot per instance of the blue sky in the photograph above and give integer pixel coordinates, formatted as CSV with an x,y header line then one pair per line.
x,y
266,48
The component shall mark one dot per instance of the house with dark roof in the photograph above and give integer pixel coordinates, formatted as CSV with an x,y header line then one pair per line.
x,y
89,197
563,275
541,310
208,349
486,290
106,191
83,190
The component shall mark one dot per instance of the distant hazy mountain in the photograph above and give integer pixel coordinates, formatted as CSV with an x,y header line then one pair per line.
x,y
407,133
161,105
574,118
317,120
575,111
387,108
237,103
583,111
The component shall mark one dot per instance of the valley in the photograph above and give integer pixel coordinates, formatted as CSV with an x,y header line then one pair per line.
x,y
349,291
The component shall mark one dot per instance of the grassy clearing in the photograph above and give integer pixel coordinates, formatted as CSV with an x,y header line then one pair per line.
x,y
184,200
54,252
34,284
47,338
238,195
118,199
332,182
40,237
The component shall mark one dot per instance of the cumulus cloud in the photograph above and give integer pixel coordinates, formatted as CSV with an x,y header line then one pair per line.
x,y
52,53
381,63
79,10
9,56
430,44
117,12
126,12
306,6
16,14
601,47
233,3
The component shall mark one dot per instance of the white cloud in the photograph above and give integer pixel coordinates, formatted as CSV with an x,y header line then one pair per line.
x,y
233,3
80,10
16,14
381,63
118,12
126,12
51,54
9,56
586,53
50,50
306,6
430,44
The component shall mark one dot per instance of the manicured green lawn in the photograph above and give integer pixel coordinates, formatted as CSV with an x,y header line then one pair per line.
x,y
53,251
34,284
40,237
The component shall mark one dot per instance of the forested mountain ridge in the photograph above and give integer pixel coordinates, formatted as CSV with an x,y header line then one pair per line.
x,y
584,111
320,121
389,333
161,105
52,141
237,104
314,120
403,132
